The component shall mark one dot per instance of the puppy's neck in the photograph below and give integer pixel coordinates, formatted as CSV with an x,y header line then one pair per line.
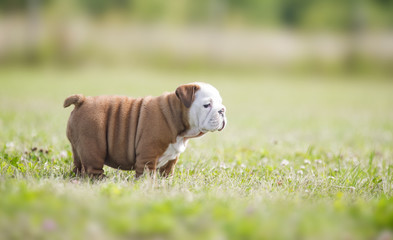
x,y
189,136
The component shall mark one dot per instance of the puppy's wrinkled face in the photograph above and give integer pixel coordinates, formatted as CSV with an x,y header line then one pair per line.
x,y
207,113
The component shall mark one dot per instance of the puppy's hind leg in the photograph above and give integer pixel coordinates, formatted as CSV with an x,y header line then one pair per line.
x,y
93,160
77,162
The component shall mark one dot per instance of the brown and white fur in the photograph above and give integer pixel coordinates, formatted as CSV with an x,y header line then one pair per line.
x,y
140,133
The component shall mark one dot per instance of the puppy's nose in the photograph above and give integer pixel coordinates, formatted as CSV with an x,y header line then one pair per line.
x,y
221,111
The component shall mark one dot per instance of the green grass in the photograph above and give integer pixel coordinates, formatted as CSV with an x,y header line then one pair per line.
x,y
336,135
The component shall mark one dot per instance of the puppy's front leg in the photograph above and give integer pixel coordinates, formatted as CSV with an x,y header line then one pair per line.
x,y
167,169
143,163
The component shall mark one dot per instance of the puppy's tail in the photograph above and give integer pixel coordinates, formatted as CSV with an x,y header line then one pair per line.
x,y
76,99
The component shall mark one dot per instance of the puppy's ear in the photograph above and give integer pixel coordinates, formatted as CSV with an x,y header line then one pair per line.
x,y
186,93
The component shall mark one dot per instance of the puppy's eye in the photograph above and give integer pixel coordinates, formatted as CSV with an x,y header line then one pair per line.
x,y
206,105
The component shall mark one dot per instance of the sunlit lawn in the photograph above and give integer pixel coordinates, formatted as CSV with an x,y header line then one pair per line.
x,y
302,157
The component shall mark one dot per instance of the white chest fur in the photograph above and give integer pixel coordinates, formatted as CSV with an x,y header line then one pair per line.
x,y
173,151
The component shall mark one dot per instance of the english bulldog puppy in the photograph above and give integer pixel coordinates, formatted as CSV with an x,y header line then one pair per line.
x,y
140,133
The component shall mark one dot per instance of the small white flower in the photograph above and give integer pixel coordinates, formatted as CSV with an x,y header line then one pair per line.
x,y
330,177
74,181
302,167
318,161
243,165
222,165
300,172
306,190
336,170
306,161
265,160
63,154
364,180
284,162
10,145
352,188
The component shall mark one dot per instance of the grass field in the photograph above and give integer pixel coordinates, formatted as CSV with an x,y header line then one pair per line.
x,y
301,158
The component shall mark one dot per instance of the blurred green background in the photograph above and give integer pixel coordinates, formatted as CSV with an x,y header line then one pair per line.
x,y
295,35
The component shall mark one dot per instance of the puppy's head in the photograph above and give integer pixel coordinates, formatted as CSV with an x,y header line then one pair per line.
x,y
206,111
